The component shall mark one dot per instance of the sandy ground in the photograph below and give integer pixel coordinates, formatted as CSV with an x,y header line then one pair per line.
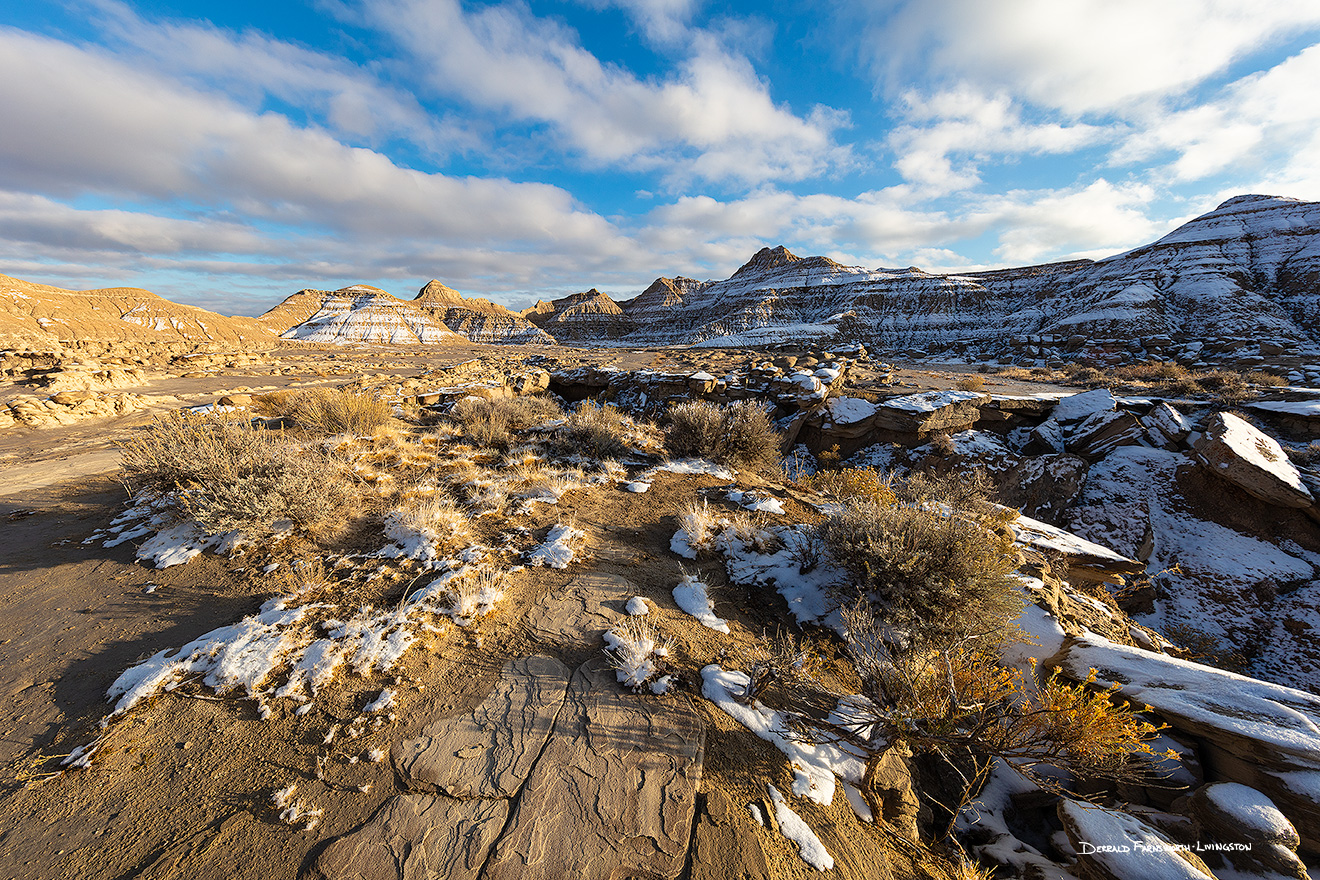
x,y
183,788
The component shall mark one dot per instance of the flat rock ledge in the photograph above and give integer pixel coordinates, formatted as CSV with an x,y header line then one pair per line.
x,y
489,752
614,793
611,794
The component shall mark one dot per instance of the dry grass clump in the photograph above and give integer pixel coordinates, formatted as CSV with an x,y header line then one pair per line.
x,y
935,561
440,519
1306,456
754,532
327,410
1089,377
1260,377
231,476
1017,374
1151,371
702,526
971,383
739,434
602,430
492,423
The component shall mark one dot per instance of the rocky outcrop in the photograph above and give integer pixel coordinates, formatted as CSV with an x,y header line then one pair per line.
x,y
1113,845
476,319
1234,285
1239,816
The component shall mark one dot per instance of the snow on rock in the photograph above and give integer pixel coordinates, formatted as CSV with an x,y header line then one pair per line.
x,y
1121,846
815,765
790,824
930,401
558,550
1232,448
1080,406
1239,589
1242,812
849,410
691,595
756,501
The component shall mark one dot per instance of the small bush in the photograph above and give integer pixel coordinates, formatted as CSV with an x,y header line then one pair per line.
x,y
1089,376
938,564
327,410
971,383
1017,374
230,476
603,430
739,434
492,422
1151,371
844,483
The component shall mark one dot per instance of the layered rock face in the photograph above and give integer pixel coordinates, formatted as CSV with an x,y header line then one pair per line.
x,y
480,320
583,317
362,314
1237,284
35,312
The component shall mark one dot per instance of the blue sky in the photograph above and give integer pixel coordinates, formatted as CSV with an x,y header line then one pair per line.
x,y
228,154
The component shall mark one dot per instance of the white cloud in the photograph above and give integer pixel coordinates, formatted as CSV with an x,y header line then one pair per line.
x,y
1262,126
712,119
662,22
78,122
965,125
249,66
1076,56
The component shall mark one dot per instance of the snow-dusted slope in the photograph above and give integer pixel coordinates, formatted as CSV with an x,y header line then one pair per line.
x,y
365,314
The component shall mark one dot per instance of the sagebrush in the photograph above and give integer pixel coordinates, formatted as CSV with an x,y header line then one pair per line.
x,y
327,410
229,475
740,434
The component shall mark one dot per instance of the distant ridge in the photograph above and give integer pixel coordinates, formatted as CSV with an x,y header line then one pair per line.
x,y
33,312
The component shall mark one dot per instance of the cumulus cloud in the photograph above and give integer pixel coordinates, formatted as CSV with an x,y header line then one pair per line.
x,y
713,119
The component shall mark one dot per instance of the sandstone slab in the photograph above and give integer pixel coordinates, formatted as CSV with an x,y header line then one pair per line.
x,y
416,836
489,752
613,793
580,614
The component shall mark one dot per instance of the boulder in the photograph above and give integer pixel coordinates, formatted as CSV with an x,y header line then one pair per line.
x,y
1113,845
1101,433
1235,814
1256,733
1166,428
930,411
1233,449
1043,486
